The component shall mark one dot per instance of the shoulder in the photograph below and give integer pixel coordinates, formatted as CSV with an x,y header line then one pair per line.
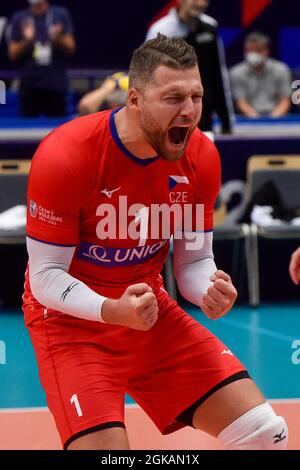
x,y
201,151
167,25
209,20
60,11
19,15
278,67
75,141
238,69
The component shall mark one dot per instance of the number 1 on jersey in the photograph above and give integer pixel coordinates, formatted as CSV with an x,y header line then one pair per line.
x,y
142,218
74,401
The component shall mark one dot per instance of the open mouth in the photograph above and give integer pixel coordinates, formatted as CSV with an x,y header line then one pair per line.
x,y
177,135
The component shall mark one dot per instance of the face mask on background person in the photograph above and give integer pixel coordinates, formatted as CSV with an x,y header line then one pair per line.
x,y
255,59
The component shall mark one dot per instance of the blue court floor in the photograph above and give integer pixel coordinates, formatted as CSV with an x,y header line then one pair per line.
x,y
264,338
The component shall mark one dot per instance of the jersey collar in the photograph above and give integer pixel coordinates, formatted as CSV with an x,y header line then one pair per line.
x,y
119,143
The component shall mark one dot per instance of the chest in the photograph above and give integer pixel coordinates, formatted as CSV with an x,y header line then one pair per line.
x,y
130,201
265,84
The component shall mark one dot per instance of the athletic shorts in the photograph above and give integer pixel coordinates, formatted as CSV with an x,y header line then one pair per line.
x,y
87,367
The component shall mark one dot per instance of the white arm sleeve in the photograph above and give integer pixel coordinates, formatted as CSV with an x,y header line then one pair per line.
x,y
54,288
193,268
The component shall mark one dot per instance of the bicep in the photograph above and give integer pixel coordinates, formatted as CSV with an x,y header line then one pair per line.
x,y
46,265
184,255
43,257
55,288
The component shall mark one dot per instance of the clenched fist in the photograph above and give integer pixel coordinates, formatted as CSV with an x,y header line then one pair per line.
x,y
220,297
55,31
136,309
28,31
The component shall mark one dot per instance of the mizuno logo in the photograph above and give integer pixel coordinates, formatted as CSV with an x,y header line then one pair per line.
x,y
279,437
110,193
227,351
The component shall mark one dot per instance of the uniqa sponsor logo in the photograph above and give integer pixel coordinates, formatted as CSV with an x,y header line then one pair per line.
x,y
121,255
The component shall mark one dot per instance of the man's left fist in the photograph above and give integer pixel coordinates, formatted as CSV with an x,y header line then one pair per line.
x,y
220,297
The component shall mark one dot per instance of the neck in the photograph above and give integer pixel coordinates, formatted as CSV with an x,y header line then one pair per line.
x,y
131,134
259,68
40,8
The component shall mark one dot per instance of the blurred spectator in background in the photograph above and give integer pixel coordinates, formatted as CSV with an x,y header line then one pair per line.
x,y
112,93
188,21
40,41
261,86
295,267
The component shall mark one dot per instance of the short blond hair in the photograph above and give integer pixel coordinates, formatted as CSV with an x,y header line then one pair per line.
x,y
175,53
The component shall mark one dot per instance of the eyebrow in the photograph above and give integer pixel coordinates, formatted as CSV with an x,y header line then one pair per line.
x,y
180,92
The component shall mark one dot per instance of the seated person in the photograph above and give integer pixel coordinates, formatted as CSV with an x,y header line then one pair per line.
x,y
261,86
112,93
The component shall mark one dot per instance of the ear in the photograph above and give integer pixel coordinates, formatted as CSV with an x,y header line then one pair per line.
x,y
134,98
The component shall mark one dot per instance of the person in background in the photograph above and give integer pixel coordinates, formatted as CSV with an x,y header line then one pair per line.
x,y
40,41
189,22
112,93
295,267
261,86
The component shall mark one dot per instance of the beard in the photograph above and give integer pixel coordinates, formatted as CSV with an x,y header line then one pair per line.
x,y
157,137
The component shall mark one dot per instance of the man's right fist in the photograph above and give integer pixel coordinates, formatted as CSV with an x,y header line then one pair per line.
x,y
136,309
28,31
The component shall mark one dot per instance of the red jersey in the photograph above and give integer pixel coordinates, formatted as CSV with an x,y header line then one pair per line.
x,y
87,190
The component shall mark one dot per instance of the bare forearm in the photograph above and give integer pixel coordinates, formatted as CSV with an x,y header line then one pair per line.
x,y
245,108
17,49
282,108
66,43
91,102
